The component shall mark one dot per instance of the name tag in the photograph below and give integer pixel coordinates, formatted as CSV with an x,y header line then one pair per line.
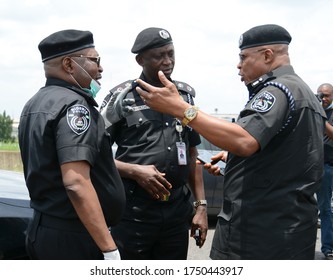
x,y
140,108
181,152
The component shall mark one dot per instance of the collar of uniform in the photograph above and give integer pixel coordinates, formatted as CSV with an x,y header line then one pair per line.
x,y
62,83
256,85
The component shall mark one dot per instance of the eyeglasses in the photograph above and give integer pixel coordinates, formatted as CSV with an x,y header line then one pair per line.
x,y
242,56
96,59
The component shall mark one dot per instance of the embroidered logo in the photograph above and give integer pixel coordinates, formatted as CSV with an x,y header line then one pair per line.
x,y
78,118
263,102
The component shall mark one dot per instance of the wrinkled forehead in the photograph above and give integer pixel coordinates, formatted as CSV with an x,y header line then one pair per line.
x,y
164,49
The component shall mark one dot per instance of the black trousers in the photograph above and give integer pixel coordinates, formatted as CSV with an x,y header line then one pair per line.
x,y
154,230
279,245
51,238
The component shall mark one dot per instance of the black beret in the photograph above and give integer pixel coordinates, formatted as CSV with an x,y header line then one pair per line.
x,y
268,34
150,38
65,42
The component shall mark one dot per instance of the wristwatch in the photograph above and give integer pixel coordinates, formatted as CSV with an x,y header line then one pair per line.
x,y
189,114
200,202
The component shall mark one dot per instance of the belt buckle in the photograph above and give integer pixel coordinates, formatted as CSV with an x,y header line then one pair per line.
x,y
165,197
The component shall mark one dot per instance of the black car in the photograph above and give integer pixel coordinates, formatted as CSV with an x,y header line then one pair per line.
x,y
15,213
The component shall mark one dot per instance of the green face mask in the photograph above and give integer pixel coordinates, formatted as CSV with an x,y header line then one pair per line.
x,y
94,88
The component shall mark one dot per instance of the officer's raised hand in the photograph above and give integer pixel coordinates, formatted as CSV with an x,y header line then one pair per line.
x,y
117,107
162,99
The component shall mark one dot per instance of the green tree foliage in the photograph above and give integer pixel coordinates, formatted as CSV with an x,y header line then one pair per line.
x,y
6,128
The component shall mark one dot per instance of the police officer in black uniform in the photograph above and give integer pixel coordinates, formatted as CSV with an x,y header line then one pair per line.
x,y
275,160
156,158
75,189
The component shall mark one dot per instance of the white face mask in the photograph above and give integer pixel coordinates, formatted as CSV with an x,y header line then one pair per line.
x,y
94,86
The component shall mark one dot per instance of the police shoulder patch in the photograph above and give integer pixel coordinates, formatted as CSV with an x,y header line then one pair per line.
x,y
263,102
78,118
121,86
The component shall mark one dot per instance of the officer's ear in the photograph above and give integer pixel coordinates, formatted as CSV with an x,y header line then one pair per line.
x,y
67,65
269,55
139,59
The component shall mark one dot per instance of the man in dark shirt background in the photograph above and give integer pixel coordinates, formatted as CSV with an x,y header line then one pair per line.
x,y
324,195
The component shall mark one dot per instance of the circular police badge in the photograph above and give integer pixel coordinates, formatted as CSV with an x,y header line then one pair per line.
x,y
78,118
263,102
164,34
240,42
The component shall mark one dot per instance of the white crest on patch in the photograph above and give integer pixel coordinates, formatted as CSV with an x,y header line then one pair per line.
x,y
263,102
78,118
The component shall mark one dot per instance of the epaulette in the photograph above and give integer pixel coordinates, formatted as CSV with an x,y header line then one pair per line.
x,y
121,86
185,87
117,88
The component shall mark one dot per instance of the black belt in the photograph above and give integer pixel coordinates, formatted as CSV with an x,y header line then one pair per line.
x,y
58,223
329,164
175,193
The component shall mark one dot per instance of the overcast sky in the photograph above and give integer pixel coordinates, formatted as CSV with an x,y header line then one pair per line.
x,y
205,35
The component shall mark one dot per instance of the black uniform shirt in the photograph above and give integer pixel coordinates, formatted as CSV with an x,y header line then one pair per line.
x,y
59,124
149,137
270,194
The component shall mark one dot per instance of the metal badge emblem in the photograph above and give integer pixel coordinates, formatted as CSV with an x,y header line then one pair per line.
x,y
240,42
164,34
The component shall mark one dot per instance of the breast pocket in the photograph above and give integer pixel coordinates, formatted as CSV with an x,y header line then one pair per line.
x,y
144,124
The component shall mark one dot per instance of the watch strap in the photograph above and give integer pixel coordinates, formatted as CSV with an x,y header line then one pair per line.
x,y
197,203
186,119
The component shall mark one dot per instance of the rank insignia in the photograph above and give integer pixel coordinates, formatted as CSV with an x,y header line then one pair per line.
x,y
78,118
263,102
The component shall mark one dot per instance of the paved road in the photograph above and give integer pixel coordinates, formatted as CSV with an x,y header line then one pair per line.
x,y
203,254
